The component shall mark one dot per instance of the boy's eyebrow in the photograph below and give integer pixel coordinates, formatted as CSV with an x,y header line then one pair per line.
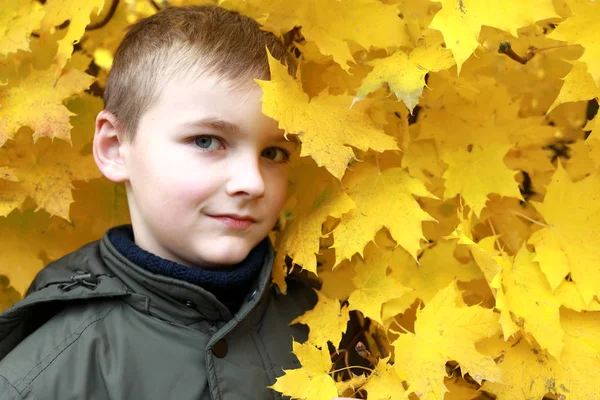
x,y
213,123
226,126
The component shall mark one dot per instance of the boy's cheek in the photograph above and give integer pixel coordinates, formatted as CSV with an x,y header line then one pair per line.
x,y
279,198
283,187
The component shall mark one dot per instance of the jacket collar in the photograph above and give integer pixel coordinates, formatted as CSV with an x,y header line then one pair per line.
x,y
173,299
230,284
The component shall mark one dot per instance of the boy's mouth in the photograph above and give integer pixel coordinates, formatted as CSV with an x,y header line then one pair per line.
x,y
235,221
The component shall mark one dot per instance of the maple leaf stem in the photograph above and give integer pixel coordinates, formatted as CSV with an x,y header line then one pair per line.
x,y
353,366
558,46
347,349
338,352
494,233
347,359
518,214
400,326
506,48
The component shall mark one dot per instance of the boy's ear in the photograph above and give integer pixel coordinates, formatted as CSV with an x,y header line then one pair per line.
x,y
108,147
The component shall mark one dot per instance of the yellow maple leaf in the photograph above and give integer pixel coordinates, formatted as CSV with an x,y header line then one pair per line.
x,y
374,286
11,193
17,20
460,389
531,159
16,67
570,241
384,383
371,190
312,381
48,171
331,24
436,269
528,372
528,296
326,322
475,172
593,141
460,21
404,72
462,230
325,124
444,212
579,28
509,327
337,283
509,219
138,9
445,330
314,196
103,43
85,107
423,162
26,238
578,86
38,92
491,262
8,174
570,297
351,385
534,84
78,14
47,176
474,136
417,15
580,163
489,259
581,347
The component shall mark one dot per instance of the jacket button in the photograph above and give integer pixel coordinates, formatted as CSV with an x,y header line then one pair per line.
x,y
220,348
190,304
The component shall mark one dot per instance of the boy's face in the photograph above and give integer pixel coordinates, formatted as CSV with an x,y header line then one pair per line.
x,y
206,174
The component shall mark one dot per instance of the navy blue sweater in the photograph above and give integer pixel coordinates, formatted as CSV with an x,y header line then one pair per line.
x,y
230,286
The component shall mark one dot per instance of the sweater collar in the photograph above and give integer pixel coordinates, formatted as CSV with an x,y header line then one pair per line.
x,y
167,296
229,286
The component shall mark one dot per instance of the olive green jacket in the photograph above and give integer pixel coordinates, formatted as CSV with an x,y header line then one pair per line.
x,y
96,326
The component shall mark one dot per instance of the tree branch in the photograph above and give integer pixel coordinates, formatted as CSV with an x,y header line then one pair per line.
x,y
107,17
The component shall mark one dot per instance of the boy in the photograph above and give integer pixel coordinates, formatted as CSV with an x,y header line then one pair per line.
x,y
177,305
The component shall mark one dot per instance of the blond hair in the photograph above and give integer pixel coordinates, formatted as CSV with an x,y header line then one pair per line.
x,y
189,41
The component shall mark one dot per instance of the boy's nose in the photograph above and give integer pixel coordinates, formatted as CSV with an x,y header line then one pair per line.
x,y
245,178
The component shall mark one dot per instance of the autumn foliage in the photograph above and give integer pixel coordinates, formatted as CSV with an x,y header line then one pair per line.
x,y
447,193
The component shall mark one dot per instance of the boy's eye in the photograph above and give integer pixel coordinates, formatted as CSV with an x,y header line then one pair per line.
x,y
276,154
207,142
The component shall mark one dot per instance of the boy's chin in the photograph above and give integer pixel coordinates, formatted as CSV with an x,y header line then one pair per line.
x,y
225,257
215,251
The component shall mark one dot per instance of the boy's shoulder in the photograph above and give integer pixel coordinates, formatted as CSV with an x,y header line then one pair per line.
x,y
58,323
73,279
79,275
55,335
